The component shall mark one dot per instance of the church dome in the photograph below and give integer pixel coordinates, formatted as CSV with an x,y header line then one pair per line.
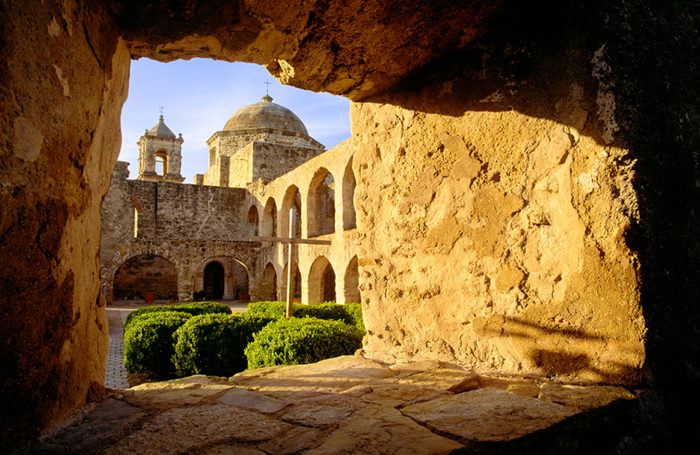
x,y
265,115
161,130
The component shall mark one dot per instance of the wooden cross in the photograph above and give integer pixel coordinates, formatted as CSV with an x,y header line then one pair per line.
x,y
291,241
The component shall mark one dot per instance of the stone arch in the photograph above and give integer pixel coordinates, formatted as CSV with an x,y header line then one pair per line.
x,y
320,204
351,289
292,198
296,281
269,219
107,282
236,280
161,160
253,225
145,273
321,281
268,283
349,220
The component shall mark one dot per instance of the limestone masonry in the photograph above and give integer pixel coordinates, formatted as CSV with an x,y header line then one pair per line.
x,y
175,239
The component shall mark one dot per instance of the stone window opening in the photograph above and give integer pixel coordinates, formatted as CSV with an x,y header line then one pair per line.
x,y
161,162
321,204
137,209
253,220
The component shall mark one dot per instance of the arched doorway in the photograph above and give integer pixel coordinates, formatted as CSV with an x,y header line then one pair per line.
x,y
321,204
214,281
321,281
239,281
145,273
268,284
352,282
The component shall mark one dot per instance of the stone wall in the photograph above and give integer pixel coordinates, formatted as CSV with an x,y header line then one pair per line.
x,y
64,73
185,224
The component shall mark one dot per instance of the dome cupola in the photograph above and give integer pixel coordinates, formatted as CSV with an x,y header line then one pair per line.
x,y
266,115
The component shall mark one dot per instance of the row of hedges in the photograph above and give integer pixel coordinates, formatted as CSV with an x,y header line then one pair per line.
x,y
349,313
167,342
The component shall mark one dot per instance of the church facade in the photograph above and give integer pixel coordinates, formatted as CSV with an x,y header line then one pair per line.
x,y
216,238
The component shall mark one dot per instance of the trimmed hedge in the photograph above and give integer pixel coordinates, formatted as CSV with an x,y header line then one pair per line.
x,y
354,310
194,308
350,313
293,341
148,343
213,344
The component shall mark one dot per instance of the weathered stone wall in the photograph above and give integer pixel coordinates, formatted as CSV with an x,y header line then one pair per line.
x,y
187,225
64,74
341,253
271,160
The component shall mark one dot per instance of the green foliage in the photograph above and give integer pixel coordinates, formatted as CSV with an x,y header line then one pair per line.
x,y
350,313
293,341
273,310
354,311
213,344
148,343
194,308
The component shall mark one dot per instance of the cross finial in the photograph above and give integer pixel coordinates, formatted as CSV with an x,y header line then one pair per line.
x,y
267,89
161,111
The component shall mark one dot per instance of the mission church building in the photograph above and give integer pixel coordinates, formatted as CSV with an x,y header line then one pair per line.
x,y
175,239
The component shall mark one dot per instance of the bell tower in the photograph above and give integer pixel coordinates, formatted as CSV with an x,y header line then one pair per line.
x,y
160,154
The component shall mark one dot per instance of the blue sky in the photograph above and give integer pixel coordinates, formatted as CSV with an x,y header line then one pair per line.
x,y
198,97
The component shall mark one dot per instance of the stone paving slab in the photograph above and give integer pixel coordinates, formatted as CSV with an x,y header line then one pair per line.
x,y
349,405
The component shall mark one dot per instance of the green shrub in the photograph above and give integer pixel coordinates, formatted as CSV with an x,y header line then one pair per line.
x,y
354,311
273,310
213,344
350,313
194,308
148,343
293,341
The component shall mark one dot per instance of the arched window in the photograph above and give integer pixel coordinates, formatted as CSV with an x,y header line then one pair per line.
x,y
292,198
269,221
253,220
321,204
348,198
161,162
321,281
